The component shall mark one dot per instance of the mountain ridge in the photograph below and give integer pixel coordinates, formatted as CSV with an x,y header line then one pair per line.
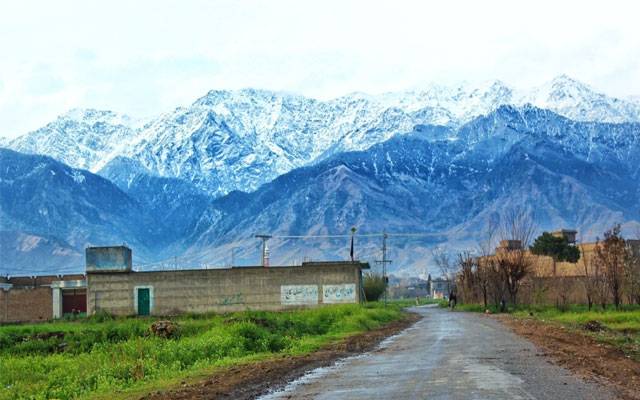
x,y
240,139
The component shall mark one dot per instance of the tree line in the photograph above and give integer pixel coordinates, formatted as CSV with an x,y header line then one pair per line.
x,y
610,275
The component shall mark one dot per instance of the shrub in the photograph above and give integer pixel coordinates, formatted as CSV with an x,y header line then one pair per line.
x,y
374,286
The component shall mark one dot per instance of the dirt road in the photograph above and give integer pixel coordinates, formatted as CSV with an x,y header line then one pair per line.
x,y
446,355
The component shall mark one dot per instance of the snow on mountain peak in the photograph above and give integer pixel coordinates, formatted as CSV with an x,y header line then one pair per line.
x,y
578,101
80,138
239,139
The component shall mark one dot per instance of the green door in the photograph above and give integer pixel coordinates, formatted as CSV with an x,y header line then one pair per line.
x,y
144,302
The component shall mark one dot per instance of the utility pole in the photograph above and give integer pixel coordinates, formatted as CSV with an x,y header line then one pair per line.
x,y
384,265
233,256
264,248
352,253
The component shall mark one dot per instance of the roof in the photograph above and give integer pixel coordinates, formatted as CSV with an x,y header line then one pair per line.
x,y
362,265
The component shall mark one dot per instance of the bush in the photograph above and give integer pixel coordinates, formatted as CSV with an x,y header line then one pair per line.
x,y
374,286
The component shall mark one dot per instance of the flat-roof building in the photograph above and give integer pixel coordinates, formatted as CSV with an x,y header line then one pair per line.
x,y
113,287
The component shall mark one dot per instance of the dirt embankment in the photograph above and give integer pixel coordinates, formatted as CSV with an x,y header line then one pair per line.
x,y
581,354
252,380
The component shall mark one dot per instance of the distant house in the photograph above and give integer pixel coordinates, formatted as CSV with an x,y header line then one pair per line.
x,y
548,279
439,288
41,298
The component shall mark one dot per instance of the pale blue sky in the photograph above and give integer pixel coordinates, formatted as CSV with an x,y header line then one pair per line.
x,y
146,57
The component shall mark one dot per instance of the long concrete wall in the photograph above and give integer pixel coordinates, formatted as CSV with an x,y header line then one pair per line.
x,y
225,290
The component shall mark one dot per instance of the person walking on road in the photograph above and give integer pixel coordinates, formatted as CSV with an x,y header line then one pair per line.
x,y
453,299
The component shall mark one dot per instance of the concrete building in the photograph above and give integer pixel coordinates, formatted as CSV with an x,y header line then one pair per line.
x,y
41,298
569,234
506,246
439,288
114,288
548,279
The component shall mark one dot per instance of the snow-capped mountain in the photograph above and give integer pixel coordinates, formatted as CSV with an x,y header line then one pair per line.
x,y
575,100
239,140
79,138
445,181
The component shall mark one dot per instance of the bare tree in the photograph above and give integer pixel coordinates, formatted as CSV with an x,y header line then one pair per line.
x,y
467,276
484,275
610,256
564,286
592,278
632,271
486,268
515,264
518,224
442,258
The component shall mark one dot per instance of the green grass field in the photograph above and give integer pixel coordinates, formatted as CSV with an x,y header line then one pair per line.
x,y
100,357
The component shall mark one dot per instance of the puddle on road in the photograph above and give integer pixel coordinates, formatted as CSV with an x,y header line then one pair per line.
x,y
318,373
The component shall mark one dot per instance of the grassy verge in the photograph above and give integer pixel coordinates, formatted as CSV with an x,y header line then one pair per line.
x,y
96,358
409,302
619,328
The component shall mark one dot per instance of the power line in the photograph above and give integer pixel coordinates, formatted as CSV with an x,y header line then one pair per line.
x,y
381,234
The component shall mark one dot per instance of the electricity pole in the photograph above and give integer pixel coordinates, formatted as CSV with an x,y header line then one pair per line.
x,y
233,256
264,248
384,265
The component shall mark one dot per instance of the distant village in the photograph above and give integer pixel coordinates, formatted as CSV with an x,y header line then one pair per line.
x,y
110,284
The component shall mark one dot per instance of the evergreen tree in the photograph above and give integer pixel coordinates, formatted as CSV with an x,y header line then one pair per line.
x,y
555,247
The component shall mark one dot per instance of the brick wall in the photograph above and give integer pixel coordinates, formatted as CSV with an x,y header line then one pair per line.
x,y
30,299
23,305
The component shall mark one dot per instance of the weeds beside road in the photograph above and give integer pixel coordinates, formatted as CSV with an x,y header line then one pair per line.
x,y
93,357
594,343
618,328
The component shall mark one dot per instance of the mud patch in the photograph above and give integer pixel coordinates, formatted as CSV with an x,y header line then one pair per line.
x,y
253,380
581,354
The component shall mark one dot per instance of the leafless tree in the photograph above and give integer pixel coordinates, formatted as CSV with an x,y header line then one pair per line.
x,y
564,286
592,279
467,277
518,224
632,271
442,259
515,264
484,275
539,287
610,256
486,267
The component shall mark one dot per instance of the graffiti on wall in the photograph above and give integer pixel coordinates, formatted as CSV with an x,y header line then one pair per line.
x,y
299,294
339,293
232,300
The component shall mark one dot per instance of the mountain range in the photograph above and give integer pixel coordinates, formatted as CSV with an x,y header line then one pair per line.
x,y
200,181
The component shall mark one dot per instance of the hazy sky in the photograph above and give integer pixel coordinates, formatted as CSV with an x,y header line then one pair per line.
x,y
145,57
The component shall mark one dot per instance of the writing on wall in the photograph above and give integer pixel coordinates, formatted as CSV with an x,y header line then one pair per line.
x,y
298,294
345,293
232,300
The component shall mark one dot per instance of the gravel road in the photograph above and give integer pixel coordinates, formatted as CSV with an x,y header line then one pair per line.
x,y
446,355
